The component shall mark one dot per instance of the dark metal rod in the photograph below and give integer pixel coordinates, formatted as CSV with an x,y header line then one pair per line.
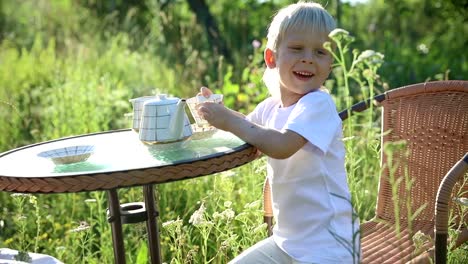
x,y
116,227
152,225
361,106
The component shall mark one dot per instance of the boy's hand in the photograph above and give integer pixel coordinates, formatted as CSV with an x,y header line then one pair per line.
x,y
205,92
216,114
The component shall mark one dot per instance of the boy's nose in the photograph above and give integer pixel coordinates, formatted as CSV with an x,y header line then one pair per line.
x,y
307,60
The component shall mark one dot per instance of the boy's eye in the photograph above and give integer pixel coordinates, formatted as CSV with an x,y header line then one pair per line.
x,y
296,48
321,52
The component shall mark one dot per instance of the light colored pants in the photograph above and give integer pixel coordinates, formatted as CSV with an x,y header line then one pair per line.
x,y
264,252
8,255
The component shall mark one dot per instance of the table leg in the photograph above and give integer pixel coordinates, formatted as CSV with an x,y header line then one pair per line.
x,y
152,225
116,227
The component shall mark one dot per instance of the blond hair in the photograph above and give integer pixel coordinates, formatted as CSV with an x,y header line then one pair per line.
x,y
308,17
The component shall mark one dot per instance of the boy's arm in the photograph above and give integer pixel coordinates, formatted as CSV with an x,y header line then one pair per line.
x,y
273,143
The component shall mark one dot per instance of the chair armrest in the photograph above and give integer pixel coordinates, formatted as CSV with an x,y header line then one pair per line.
x,y
442,210
361,106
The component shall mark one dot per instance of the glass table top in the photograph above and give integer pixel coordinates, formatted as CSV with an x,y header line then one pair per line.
x,y
115,151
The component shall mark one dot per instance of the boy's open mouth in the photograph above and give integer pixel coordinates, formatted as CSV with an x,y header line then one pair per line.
x,y
303,74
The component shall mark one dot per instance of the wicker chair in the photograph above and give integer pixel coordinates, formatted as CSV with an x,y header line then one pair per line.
x,y
432,118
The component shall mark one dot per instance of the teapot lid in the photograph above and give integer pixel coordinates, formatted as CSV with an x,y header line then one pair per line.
x,y
162,99
140,99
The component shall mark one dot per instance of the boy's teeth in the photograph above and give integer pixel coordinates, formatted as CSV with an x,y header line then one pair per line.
x,y
304,73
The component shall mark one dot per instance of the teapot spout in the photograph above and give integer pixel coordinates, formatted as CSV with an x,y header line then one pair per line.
x,y
176,125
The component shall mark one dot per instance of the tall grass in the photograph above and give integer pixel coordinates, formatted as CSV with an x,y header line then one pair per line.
x,y
45,95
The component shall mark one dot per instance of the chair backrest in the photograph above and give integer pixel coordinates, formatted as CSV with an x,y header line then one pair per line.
x,y
432,119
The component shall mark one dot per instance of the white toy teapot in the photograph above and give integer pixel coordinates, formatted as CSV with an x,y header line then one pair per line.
x,y
137,104
164,120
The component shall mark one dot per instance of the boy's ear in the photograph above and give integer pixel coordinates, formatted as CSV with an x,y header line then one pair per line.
x,y
269,57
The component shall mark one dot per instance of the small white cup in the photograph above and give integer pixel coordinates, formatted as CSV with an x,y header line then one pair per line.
x,y
193,105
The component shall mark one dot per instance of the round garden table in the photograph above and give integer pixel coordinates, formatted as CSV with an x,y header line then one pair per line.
x,y
121,160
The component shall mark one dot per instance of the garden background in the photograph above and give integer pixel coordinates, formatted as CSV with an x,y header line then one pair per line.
x,y
68,67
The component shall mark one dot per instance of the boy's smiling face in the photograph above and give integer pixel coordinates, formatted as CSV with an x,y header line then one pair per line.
x,y
302,62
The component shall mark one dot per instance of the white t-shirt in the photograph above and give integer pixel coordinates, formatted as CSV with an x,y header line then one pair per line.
x,y
311,201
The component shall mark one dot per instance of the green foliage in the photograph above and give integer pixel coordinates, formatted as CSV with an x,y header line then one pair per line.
x,y
422,40
45,95
361,131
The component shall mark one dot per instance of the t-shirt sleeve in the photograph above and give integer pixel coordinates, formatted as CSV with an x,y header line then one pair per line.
x,y
258,115
254,116
316,119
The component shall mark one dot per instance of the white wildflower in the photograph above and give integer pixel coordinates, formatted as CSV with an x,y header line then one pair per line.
x,y
422,48
217,215
82,227
337,33
168,223
20,195
366,54
173,226
371,57
172,223
228,214
461,200
197,217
